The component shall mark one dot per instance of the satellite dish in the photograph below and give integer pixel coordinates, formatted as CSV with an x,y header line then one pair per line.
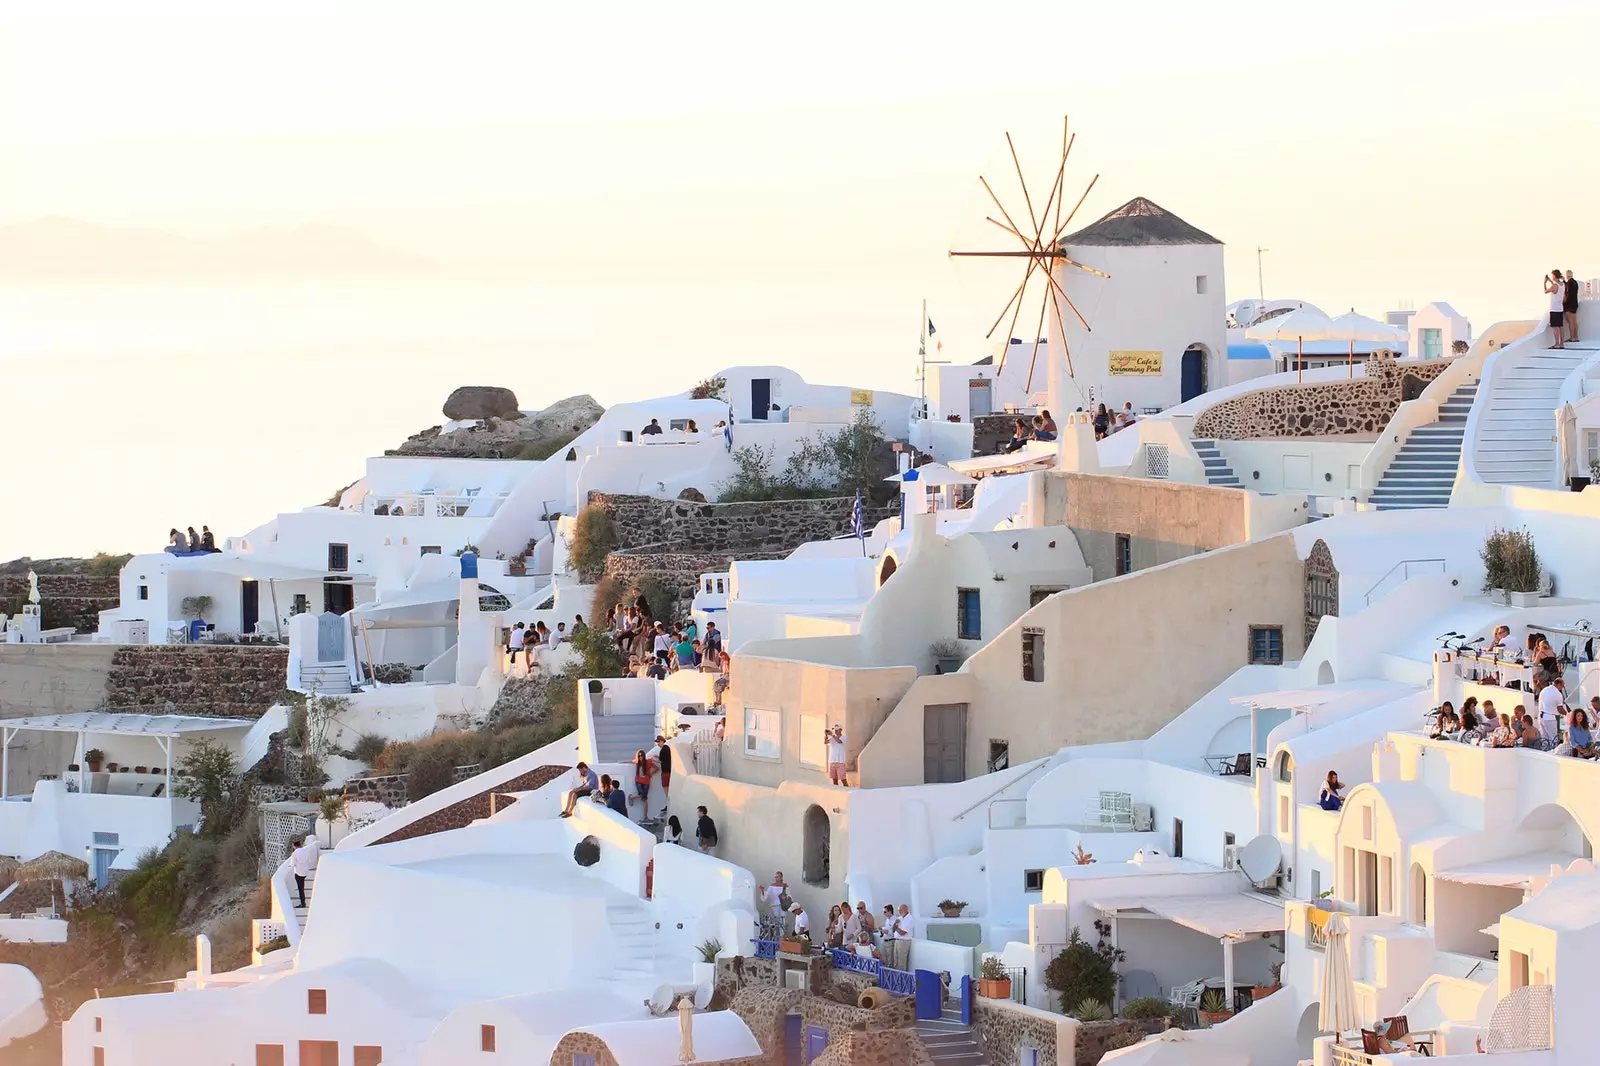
x,y
1260,859
661,1000
702,996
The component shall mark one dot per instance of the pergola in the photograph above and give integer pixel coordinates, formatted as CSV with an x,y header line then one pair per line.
x,y
164,729
1229,917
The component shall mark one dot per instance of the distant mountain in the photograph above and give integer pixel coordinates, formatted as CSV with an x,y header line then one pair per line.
x,y
57,248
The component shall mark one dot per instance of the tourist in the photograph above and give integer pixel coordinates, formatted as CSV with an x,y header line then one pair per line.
x,y
398,512
673,834
852,924
208,543
1552,708
1330,800
864,919
642,772
1049,424
776,896
661,643
720,685
705,830
712,641
1019,436
588,784
303,863
1469,719
1569,307
1579,738
1102,422
1498,641
657,670
1128,417
515,642
652,430
864,947
691,427
1441,721
1039,432
1555,286
904,932
684,652
801,922
836,750
1530,737
720,730
617,799
662,754
561,634
177,543
194,540
1503,737
835,928
578,625
543,633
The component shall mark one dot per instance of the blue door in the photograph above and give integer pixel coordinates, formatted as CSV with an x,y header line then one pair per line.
x,y
761,399
930,995
791,1040
966,1000
1193,378
816,1042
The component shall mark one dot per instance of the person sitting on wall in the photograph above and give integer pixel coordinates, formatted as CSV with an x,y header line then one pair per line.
x,y
1441,722
657,670
652,430
1579,739
1019,436
1039,432
617,799
208,543
691,427
673,834
588,784
1503,735
516,640
720,686
177,543
1330,799
1048,422
398,512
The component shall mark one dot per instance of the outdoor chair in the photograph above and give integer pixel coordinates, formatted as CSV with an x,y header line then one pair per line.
x,y
1240,767
1420,1041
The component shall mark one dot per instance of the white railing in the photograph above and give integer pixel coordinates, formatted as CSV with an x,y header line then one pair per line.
x,y
1530,340
1349,1056
1035,768
283,897
435,503
1400,573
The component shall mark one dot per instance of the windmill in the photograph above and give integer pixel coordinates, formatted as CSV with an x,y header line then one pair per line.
x,y
1042,250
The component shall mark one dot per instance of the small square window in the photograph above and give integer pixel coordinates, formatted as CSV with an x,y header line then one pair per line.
x,y
316,1001
1032,654
338,557
1228,840
144,592
99,1025
1266,645
368,1055
1033,880
486,1037
969,617
269,1055
1200,284
999,755
1124,554
432,549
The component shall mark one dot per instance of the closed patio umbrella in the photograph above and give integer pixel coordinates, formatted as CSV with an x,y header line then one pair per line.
x,y
1336,1013
53,866
1353,327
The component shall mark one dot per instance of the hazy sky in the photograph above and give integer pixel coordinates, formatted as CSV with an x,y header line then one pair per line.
x,y
649,193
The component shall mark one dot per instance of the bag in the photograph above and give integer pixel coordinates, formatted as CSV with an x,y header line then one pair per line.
x,y
785,903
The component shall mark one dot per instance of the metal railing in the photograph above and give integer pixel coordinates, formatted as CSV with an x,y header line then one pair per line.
x,y
1349,1056
766,949
1407,568
1035,768
1019,983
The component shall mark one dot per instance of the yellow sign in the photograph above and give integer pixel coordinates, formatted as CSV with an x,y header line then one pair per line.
x,y
1135,364
861,397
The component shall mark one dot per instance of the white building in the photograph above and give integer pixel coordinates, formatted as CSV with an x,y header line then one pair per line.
x,y
1433,332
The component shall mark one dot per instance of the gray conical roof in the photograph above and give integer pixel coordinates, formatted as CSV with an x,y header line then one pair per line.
x,y
1139,221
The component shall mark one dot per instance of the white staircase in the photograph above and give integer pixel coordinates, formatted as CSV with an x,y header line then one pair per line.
x,y
948,1040
1515,442
327,680
617,737
633,929
1423,472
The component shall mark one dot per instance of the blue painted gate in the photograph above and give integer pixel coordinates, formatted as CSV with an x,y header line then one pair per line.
x,y
791,1040
966,1000
930,995
816,1042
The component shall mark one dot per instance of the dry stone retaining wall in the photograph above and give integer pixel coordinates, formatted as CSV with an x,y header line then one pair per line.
x,y
463,813
744,530
74,600
1359,407
230,681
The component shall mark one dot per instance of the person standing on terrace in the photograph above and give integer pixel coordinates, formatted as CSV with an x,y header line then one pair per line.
x,y
836,756
1555,286
1552,709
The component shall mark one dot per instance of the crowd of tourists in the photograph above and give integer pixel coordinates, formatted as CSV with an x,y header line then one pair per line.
x,y
886,937
1553,725
181,542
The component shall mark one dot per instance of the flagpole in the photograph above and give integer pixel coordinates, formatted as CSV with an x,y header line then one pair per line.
x,y
922,354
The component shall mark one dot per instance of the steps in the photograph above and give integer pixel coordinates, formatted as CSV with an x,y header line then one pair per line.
x,y
950,1041
633,932
302,913
326,680
1516,429
1423,471
617,737
1218,472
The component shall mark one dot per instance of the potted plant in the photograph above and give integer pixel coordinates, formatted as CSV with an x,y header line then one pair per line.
x,y
799,944
1263,991
1522,567
94,757
993,981
952,908
705,971
948,655
1214,1007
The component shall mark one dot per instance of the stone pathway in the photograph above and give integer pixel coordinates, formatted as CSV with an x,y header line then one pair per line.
x,y
949,1040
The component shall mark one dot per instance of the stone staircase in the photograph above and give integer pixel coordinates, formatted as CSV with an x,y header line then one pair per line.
x,y
1515,443
1218,472
1423,471
302,913
634,933
950,1040
326,680
618,736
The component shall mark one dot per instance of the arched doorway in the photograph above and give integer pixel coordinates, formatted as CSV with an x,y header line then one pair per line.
x,y
886,571
816,847
1195,371
1419,895
1325,673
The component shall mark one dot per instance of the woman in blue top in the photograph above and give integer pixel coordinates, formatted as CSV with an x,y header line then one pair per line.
x,y
1579,737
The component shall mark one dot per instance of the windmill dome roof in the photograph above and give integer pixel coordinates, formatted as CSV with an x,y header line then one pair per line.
x,y
1139,222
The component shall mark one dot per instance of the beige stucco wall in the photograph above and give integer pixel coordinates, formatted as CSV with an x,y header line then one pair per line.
x,y
49,679
1123,657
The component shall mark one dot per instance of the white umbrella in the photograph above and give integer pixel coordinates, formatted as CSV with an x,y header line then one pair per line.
x,y
1357,327
1300,325
1337,1012
1567,438
1178,1047
934,474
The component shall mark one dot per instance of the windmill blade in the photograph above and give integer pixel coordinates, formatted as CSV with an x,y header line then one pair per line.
x,y
1057,187
1066,150
1086,268
1008,229
1038,228
1007,307
1061,329
1028,388
1068,220
1003,212
1016,311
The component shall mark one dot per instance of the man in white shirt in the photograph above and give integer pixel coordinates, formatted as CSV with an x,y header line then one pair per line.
x,y
519,636
905,931
303,863
836,770
1552,707
802,921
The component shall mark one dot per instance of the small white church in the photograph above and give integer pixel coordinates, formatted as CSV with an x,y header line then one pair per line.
x,y
1156,331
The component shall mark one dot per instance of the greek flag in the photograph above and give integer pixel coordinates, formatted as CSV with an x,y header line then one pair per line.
x,y
858,524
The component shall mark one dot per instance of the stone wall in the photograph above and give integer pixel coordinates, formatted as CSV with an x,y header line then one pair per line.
x,y
229,681
1003,1029
1357,408
1094,1039
464,812
678,571
387,789
765,1010
881,1047
1322,588
745,530
74,600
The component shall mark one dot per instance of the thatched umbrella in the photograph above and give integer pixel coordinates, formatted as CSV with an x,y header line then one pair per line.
x,y
53,866
8,870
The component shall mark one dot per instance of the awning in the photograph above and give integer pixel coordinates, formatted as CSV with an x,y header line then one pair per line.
x,y
934,475
149,725
254,568
1304,699
1234,914
984,465
1513,872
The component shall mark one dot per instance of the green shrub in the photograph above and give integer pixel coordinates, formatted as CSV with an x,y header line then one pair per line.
x,y
600,654
658,597
594,536
368,747
1083,971
1510,561
104,565
536,450
432,770
1091,1010
277,943
239,855
1145,1007
608,593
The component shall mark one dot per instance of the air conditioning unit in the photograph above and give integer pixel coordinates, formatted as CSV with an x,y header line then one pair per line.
x,y
1144,819
1230,857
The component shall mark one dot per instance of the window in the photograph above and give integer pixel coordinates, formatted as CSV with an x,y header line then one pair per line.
x,y
319,1053
813,745
969,618
1228,840
762,733
1432,343
1200,284
486,1037
1266,645
99,1025
432,549
1033,880
316,1001
1037,594
1177,838
1124,554
99,1056
301,605
368,1055
1032,654
144,590
719,586
1591,448
338,557
1285,766
269,1055
1366,822
999,755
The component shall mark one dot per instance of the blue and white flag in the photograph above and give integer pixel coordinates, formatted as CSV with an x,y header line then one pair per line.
x,y
858,524
931,330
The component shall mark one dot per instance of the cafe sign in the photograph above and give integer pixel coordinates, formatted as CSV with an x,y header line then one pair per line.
x,y
861,397
1135,364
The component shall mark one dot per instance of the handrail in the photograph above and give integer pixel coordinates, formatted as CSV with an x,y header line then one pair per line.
x,y
1407,563
1040,765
